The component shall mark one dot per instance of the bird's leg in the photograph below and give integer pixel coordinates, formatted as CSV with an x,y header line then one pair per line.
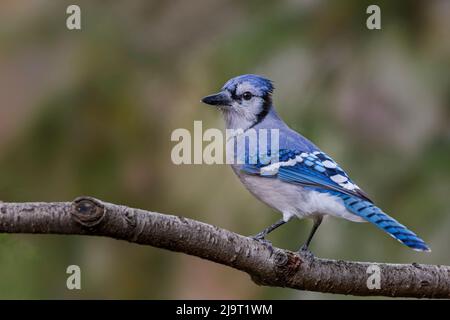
x,y
261,237
269,229
317,222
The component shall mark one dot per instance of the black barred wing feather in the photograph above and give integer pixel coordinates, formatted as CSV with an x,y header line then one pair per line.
x,y
315,170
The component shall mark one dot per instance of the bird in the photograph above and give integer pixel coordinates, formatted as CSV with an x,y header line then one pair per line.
x,y
301,181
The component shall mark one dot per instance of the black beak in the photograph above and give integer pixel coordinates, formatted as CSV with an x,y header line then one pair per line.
x,y
218,99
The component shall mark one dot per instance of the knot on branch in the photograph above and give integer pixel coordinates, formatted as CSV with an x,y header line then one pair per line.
x,y
286,264
88,211
133,222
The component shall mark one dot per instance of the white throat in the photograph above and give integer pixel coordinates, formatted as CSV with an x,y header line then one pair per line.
x,y
234,119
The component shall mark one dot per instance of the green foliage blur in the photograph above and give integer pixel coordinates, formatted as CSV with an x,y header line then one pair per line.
x,y
91,112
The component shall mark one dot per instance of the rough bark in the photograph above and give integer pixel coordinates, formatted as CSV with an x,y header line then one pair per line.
x,y
282,268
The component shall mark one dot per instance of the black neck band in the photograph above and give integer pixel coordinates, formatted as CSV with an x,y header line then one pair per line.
x,y
265,110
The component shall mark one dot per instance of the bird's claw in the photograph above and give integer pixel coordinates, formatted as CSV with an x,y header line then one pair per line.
x,y
264,242
304,251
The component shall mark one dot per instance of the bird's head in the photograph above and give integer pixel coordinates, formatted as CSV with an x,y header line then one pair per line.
x,y
245,100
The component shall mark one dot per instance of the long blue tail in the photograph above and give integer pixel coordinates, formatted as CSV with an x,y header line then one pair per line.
x,y
373,214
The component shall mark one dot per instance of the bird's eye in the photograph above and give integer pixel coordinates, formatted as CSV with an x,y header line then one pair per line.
x,y
247,95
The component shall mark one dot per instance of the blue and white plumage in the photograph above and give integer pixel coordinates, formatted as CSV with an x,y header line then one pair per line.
x,y
304,182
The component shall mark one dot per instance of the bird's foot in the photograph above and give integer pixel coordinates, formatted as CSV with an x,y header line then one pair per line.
x,y
305,252
264,242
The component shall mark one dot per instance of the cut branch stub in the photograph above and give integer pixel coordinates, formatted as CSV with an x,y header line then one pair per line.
x,y
88,211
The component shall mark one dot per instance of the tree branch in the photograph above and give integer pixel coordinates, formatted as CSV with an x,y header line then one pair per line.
x,y
282,268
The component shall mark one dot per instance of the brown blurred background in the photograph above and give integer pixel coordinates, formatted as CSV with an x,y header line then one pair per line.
x,y
91,112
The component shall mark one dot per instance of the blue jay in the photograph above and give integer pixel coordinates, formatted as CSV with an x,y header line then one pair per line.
x,y
304,182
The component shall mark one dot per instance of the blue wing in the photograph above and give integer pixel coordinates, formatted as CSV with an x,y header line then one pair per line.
x,y
318,171
315,170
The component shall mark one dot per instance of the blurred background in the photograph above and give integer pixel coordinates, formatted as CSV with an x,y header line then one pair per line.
x,y
91,112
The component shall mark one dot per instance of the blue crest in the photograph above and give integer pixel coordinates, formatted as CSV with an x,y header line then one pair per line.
x,y
263,84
